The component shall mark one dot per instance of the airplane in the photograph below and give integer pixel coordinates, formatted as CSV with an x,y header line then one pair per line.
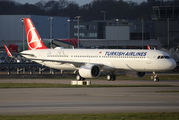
x,y
91,62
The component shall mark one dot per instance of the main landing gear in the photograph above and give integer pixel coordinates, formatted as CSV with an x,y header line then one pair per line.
x,y
111,77
156,79
79,78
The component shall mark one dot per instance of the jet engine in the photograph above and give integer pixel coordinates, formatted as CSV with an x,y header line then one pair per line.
x,y
135,74
89,71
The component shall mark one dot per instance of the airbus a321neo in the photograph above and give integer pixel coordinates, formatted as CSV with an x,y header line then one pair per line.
x,y
91,62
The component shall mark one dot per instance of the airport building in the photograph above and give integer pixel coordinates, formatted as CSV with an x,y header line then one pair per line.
x,y
166,20
115,33
11,28
161,31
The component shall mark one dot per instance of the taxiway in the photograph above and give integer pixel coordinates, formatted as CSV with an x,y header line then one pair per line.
x,y
20,101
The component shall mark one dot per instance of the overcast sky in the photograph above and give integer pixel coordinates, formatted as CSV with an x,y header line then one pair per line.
x,y
80,2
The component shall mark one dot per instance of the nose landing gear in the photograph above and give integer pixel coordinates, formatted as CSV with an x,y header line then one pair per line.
x,y
156,79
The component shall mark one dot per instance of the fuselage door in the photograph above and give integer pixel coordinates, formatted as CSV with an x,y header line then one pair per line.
x,y
149,56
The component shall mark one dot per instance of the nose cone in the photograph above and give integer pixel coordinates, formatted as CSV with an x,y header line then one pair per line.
x,y
171,64
174,64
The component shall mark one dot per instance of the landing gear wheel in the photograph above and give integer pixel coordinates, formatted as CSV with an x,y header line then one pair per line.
x,y
109,77
78,77
156,79
113,77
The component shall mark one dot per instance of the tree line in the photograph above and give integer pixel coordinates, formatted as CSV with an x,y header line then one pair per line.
x,y
118,9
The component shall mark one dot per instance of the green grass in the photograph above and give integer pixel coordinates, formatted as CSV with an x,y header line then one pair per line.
x,y
50,85
108,116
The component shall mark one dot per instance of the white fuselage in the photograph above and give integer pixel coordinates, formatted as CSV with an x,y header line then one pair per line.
x,y
109,59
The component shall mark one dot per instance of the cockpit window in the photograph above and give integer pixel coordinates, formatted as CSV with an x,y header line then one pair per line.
x,y
163,57
167,57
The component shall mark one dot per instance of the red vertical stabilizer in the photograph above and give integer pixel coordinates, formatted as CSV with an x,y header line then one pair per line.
x,y
33,38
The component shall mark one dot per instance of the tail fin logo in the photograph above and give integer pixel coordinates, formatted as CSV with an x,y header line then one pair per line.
x,y
33,38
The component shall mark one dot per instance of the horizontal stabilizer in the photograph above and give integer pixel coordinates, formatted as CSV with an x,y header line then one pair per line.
x,y
8,52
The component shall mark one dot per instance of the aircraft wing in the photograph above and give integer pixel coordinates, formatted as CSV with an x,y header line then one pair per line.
x,y
76,64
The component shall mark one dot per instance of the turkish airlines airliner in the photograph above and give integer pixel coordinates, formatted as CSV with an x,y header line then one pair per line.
x,y
90,62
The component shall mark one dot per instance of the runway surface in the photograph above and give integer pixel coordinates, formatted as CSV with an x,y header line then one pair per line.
x,y
20,101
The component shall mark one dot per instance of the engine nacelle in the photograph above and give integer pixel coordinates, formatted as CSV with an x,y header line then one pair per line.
x,y
134,74
89,71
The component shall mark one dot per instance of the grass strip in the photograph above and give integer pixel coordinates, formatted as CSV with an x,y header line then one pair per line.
x,y
50,85
107,116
